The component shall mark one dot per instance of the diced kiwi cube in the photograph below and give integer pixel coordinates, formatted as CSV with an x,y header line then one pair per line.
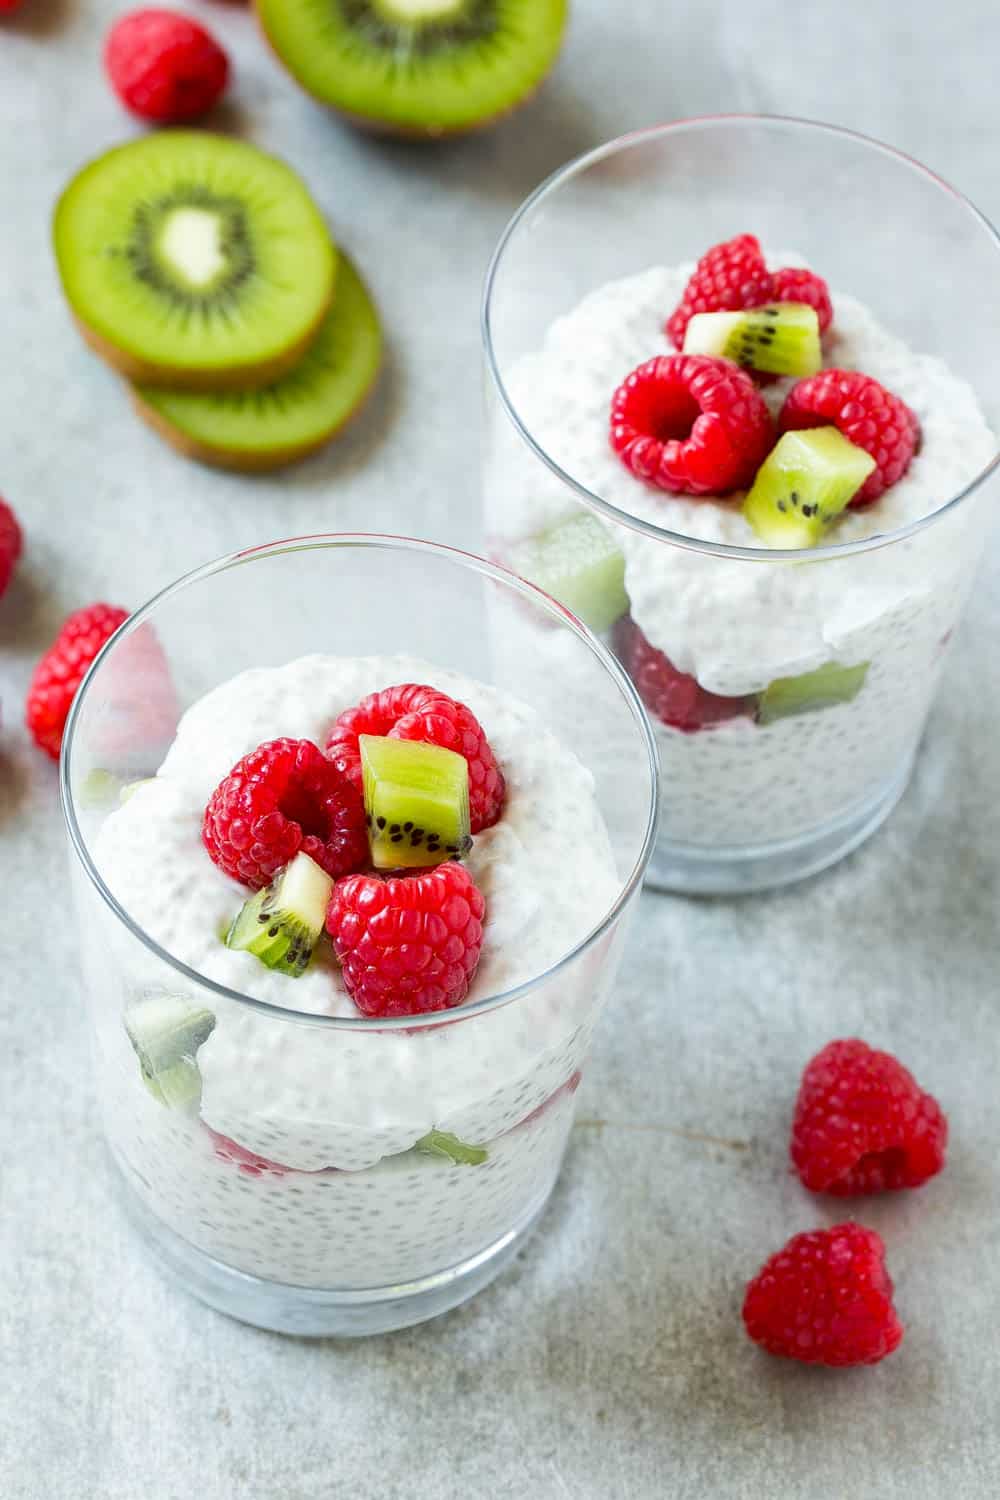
x,y
780,339
828,686
166,1033
443,1143
281,924
416,802
803,485
579,564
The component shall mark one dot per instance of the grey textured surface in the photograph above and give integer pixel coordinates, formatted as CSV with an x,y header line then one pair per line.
x,y
610,1362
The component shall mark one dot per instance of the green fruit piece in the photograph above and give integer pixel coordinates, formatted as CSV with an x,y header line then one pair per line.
x,y
805,482
781,339
130,788
577,563
265,429
825,688
416,802
442,1143
281,924
417,67
166,1033
97,788
194,260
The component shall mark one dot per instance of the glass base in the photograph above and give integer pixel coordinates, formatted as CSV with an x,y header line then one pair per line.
x,y
317,1313
742,869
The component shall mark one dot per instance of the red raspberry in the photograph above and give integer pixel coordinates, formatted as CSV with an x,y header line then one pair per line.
x,y
676,698
11,543
728,277
866,413
284,797
62,669
793,284
692,424
6,5
407,945
248,1162
163,66
825,1299
414,712
863,1125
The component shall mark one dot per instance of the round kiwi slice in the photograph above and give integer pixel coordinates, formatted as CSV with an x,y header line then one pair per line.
x,y
417,67
265,429
193,260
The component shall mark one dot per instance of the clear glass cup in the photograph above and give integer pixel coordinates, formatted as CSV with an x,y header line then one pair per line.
x,y
390,1235
748,804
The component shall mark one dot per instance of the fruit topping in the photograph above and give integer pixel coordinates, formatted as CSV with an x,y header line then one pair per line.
x,y
62,669
193,260
416,802
443,1143
407,945
794,284
282,923
578,563
728,278
807,480
413,711
828,686
249,1163
863,1124
11,545
825,1299
691,424
674,697
781,338
283,798
866,413
163,66
166,1033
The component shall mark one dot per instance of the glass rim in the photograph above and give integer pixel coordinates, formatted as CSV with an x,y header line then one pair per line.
x,y
579,164
375,541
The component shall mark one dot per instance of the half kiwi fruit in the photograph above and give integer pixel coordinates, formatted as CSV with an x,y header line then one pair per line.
x,y
192,260
292,417
417,67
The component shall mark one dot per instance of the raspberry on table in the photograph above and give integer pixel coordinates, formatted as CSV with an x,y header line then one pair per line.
x,y
62,669
284,798
867,415
863,1124
728,278
795,284
691,424
11,545
412,711
407,945
675,698
825,1299
163,66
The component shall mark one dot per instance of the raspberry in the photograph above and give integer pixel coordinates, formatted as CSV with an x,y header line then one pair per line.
x,y
793,284
413,712
825,1299
6,5
674,697
866,413
163,66
408,945
248,1162
11,545
863,1125
61,670
284,797
692,424
728,277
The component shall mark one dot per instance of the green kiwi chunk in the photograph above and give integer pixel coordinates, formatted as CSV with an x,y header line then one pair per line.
x,y
166,1033
285,421
780,339
828,686
804,484
443,1143
579,564
194,260
416,802
417,67
281,924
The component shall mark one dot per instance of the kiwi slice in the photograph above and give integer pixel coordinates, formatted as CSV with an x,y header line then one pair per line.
x,y
281,924
265,429
443,1143
811,691
416,802
577,563
803,485
194,260
781,339
166,1033
417,67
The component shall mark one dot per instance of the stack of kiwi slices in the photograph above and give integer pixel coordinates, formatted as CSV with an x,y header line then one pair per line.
x,y
421,68
202,270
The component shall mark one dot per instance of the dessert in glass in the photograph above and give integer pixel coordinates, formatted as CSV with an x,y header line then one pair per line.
x,y
735,422
349,905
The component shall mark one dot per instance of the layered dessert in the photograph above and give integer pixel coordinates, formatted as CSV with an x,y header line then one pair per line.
x,y
380,843
738,403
